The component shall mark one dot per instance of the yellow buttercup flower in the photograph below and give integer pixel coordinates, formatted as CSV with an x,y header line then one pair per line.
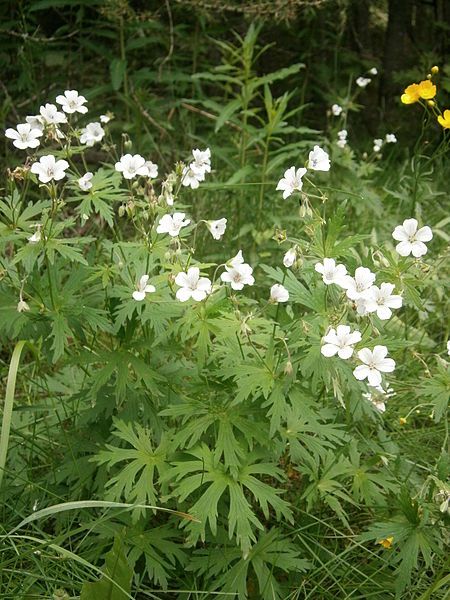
x,y
411,94
444,120
427,90
386,543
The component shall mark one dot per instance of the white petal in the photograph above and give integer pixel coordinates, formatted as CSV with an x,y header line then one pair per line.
x,y
387,365
404,248
345,352
400,234
384,313
419,249
183,294
139,296
410,226
361,372
374,377
329,350
424,234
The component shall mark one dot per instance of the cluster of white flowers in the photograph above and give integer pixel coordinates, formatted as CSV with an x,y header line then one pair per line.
x,y
360,288
369,298
342,138
336,110
363,82
389,138
133,165
318,160
48,123
378,396
196,171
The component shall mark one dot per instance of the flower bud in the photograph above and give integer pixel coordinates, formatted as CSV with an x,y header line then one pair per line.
x,y
434,70
431,103
288,369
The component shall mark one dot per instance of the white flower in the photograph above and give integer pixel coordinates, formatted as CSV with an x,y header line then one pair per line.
x,y
358,285
92,133
25,136
448,347
36,122
331,272
381,300
291,182
172,224
375,363
318,160
49,168
202,162
143,288
236,260
72,102
340,341
362,82
36,237
238,273
336,110
412,239
192,285
22,306
51,115
152,169
278,293
131,166
373,71
390,138
376,400
191,178
85,181
217,228
290,257
377,143
342,138
105,119
361,305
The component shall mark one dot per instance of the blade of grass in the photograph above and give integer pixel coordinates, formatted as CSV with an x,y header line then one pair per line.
x,y
8,406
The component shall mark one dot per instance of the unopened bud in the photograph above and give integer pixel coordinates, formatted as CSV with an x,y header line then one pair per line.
x,y
434,70
288,369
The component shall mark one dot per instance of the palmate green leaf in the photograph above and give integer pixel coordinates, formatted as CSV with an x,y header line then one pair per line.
x,y
234,434
328,484
60,332
141,466
310,432
159,548
410,543
370,485
437,390
204,470
252,380
116,581
229,572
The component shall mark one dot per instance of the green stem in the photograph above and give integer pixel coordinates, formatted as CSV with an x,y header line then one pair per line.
x,y
8,406
263,180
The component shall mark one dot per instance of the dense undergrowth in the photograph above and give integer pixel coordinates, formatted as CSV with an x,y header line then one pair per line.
x,y
185,414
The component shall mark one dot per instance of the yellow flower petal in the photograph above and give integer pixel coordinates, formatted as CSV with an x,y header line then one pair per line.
x,y
411,94
444,120
427,90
